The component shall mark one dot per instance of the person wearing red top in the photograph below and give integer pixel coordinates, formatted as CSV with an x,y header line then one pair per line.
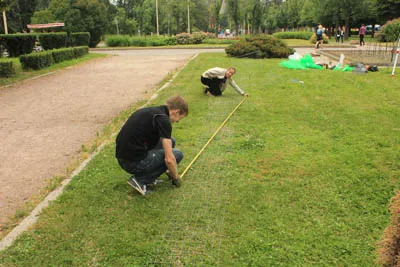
x,y
361,34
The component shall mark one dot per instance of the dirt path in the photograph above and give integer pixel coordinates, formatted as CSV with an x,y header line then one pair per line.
x,y
45,121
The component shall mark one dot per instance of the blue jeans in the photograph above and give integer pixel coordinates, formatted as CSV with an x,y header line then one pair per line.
x,y
152,166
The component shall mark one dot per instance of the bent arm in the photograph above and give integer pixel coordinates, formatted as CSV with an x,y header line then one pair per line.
x,y
236,87
170,160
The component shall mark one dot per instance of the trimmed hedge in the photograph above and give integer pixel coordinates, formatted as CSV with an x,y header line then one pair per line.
x,y
18,44
293,35
80,51
79,38
45,59
62,54
36,61
55,40
6,68
124,41
262,46
180,39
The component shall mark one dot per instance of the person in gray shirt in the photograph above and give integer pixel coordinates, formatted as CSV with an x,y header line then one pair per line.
x,y
216,80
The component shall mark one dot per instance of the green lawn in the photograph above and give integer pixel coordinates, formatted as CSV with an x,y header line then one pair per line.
x,y
301,175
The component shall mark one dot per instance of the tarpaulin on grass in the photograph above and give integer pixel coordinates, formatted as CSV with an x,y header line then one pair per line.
x,y
306,62
345,68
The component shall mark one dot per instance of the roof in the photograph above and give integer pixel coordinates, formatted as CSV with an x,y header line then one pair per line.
x,y
43,26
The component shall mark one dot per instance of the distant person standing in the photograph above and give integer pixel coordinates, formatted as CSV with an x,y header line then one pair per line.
x,y
361,34
342,34
338,30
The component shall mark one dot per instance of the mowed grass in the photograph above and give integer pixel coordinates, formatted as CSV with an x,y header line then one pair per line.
x,y
301,175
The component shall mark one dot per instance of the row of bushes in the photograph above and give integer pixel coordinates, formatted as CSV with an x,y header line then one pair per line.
x,y
45,59
293,35
125,41
20,44
179,39
6,68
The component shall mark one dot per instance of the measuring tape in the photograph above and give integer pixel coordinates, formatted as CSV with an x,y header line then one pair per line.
x,y
211,138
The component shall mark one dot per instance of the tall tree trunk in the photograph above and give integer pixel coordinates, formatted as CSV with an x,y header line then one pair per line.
x,y
347,26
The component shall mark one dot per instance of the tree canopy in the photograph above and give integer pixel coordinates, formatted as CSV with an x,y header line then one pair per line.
x,y
241,16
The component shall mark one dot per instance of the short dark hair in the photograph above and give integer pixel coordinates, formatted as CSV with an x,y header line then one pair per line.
x,y
178,102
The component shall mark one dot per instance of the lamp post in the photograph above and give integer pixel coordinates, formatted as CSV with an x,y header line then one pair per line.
x,y
116,23
158,31
188,18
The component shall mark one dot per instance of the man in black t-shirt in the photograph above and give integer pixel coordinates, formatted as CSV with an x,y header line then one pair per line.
x,y
145,147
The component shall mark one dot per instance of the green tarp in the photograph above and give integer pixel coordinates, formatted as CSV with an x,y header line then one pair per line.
x,y
306,62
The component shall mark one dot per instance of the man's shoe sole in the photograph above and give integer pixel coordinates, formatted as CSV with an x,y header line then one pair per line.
x,y
137,188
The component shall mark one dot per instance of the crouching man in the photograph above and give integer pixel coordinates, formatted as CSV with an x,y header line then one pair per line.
x,y
145,147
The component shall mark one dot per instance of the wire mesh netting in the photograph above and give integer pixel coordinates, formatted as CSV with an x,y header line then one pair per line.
x,y
373,53
193,236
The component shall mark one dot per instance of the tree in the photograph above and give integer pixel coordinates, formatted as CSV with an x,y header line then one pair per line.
x,y
5,5
294,9
253,13
125,25
387,10
82,16
308,13
199,15
233,9
214,19
42,4
43,16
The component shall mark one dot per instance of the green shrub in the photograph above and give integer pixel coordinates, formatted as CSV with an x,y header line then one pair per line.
x,y
18,44
62,54
79,38
197,38
6,68
390,31
171,41
80,51
36,61
117,41
186,38
137,41
313,38
220,41
140,41
262,46
54,40
182,38
293,35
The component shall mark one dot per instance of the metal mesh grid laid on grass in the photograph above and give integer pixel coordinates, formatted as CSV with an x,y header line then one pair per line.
x,y
193,235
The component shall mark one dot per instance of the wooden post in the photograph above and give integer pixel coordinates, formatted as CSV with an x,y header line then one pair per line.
x,y
5,22
158,31
188,11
